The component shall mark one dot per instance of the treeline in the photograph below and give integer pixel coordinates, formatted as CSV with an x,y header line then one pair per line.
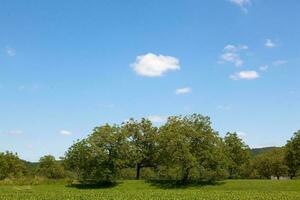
x,y
13,168
184,148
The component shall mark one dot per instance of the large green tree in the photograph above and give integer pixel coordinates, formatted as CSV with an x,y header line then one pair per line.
x,y
142,137
292,156
238,154
99,157
190,144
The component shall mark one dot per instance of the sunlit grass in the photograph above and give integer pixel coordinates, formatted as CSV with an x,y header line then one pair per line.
x,y
230,189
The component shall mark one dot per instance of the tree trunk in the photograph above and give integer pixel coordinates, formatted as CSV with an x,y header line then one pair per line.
x,y
186,175
138,169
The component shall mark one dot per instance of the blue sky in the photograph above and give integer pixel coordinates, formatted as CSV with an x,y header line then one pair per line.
x,y
68,66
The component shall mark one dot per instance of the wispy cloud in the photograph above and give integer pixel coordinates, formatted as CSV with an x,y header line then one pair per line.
x,y
231,54
246,75
263,68
65,132
242,4
224,107
279,62
269,44
152,65
15,132
29,88
10,51
184,90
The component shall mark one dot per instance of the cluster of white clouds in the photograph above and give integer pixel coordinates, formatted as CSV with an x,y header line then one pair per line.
x,y
231,54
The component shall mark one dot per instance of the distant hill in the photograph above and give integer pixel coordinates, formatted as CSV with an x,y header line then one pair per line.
x,y
257,151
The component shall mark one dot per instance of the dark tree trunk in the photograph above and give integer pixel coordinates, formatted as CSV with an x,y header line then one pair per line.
x,y
185,177
138,169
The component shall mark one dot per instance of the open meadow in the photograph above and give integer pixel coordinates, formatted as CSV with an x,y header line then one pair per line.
x,y
141,190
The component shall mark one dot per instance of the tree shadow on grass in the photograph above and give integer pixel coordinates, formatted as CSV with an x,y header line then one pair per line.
x,y
175,184
99,185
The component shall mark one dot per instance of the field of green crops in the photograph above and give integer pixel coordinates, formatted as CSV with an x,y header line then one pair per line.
x,y
131,190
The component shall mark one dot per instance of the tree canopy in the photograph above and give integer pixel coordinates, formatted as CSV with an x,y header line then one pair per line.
x,y
184,148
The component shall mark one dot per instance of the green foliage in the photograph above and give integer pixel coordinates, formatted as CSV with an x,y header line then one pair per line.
x,y
50,168
189,144
99,157
11,166
292,156
184,148
79,158
238,154
143,149
271,163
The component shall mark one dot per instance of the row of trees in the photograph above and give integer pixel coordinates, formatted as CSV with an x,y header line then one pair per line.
x,y
11,166
184,148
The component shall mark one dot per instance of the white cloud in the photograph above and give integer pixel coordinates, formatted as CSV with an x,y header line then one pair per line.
x,y
157,118
263,68
247,75
231,54
279,62
243,4
10,51
184,90
269,44
65,132
152,65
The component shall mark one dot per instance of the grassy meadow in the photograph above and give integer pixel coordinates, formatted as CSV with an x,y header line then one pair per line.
x,y
142,190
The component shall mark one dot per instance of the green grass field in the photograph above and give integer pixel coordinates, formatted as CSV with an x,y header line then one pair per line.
x,y
131,190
